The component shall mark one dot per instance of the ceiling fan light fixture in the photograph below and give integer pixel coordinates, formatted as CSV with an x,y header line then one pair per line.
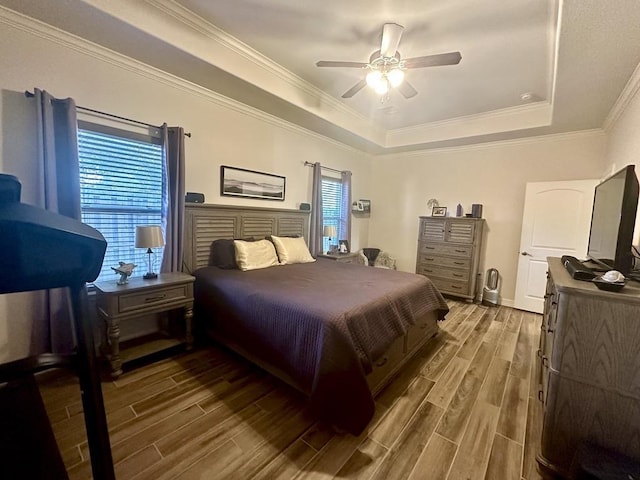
x,y
395,76
374,78
383,86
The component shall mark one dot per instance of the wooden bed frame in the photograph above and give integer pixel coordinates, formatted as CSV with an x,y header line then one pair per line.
x,y
205,223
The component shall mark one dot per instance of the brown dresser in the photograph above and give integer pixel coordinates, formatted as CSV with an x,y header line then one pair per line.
x,y
588,371
449,252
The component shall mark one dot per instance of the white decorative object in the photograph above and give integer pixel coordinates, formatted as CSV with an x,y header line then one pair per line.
x,y
124,270
613,276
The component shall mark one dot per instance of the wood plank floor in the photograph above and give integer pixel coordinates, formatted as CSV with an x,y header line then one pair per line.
x,y
465,408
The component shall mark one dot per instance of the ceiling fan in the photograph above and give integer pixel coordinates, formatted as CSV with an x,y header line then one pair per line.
x,y
386,66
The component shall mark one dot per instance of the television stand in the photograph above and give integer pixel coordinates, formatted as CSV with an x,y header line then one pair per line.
x,y
587,365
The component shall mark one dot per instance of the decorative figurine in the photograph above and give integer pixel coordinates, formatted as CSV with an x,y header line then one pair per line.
x,y
124,270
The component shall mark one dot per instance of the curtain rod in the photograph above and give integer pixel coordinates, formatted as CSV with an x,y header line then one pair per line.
x,y
309,164
28,94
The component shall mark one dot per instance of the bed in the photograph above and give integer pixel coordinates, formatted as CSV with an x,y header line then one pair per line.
x,y
337,332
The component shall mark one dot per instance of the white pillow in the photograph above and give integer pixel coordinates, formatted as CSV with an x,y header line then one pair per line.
x,y
254,255
292,250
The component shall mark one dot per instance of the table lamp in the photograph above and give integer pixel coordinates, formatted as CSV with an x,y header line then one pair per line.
x,y
330,231
149,236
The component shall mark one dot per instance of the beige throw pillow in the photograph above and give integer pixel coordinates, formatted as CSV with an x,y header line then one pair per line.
x,y
292,250
254,255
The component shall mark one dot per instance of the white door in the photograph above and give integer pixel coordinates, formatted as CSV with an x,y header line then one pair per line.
x,y
555,222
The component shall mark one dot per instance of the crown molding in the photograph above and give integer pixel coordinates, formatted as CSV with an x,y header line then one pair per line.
x,y
520,117
194,21
53,34
553,137
626,96
503,112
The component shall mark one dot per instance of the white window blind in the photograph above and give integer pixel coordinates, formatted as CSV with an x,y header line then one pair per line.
x,y
331,208
121,185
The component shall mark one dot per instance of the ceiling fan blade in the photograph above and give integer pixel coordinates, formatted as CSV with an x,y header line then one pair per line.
x,y
451,58
355,89
407,90
391,34
324,63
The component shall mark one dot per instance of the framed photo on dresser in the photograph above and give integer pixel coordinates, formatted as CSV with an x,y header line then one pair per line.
x,y
439,212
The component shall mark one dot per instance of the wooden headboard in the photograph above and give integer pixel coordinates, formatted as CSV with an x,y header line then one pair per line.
x,y
205,223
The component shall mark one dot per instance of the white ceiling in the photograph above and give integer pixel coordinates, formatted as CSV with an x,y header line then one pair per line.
x,y
491,76
574,56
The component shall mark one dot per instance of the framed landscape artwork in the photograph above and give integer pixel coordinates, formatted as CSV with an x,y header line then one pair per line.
x,y
238,182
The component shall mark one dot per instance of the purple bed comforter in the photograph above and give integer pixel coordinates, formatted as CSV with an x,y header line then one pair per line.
x,y
323,323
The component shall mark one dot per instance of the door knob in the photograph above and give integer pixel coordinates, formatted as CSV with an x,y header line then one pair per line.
x,y
524,254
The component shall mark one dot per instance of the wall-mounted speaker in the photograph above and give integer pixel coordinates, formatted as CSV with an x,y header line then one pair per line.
x,y
306,207
192,197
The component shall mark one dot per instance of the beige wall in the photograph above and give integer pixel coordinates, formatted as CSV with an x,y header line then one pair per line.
x,y
494,175
623,137
223,132
623,144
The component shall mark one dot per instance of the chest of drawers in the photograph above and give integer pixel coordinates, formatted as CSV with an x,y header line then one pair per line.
x,y
588,371
449,253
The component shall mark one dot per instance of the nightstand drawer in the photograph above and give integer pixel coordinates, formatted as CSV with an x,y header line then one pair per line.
x,y
139,301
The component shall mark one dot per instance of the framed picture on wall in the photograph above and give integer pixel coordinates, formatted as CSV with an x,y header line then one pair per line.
x,y
343,246
239,182
439,212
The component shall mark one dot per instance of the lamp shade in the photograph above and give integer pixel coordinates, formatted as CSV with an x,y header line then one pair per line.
x,y
149,236
330,231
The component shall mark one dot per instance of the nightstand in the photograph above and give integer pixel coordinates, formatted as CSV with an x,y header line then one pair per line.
x,y
117,303
341,257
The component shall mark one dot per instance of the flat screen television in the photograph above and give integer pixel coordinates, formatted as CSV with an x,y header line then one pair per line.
x,y
613,220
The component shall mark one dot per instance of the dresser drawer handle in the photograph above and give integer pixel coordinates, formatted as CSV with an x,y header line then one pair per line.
x,y
430,248
429,259
458,263
455,286
545,362
539,353
540,394
382,362
458,275
460,251
154,299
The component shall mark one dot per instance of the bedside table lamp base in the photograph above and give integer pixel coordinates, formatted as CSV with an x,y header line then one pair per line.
x,y
149,236
150,275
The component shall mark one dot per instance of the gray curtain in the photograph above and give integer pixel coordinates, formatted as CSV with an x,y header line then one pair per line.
x,y
59,189
345,224
173,198
315,230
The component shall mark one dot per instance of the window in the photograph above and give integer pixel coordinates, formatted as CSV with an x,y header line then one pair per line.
x,y
121,182
332,210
